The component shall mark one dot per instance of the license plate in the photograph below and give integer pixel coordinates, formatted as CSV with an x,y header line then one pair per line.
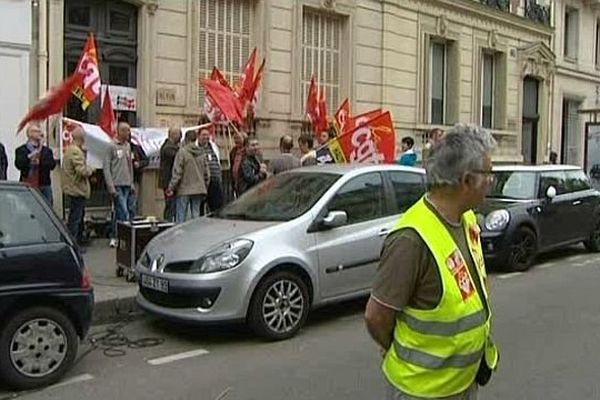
x,y
151,282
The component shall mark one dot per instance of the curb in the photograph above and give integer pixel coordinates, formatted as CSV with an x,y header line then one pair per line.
x,y
115,309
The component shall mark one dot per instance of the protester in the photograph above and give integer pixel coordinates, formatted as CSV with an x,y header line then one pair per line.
x,y
235,159
429,307
286,160
322,138
214,198
168,151
35,161
309,156
140,161
118,175
191,177
553,157
76,182
253,170
408,156
3,163
433,137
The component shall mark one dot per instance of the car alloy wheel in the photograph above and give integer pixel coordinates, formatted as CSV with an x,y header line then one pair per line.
x,y
283,306
523,250
38,348
279,306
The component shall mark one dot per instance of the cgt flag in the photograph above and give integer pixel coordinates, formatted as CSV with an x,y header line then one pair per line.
x,y
372,141
225,100
342,115
89,88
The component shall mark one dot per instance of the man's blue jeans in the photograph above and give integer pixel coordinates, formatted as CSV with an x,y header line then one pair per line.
x,y
124,203
46,192
191,202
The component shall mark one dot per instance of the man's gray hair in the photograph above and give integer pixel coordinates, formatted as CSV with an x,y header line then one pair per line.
x,y
461,150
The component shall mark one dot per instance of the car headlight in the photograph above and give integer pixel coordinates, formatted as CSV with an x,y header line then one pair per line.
x,y
227,256
497,220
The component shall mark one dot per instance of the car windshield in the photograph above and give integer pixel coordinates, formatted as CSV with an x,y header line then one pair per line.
x,y
280,198
518,185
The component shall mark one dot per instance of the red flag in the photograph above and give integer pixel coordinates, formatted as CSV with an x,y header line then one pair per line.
x,y
52,102
244,88
212,112
108,122
321,125
89,88
342,115
216,75
361,119
257,82
373,141
312,102
225,100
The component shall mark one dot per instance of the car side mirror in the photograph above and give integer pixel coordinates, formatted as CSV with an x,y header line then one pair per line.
x,y
335,219
550,192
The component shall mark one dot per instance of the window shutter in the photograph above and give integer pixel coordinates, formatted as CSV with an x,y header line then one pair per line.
x,y
224,38
321,50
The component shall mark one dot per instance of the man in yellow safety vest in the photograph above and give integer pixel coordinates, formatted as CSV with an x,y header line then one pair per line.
x,y
429,308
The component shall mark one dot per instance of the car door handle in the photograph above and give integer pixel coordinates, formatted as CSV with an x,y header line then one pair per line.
x,y
383,232
577,202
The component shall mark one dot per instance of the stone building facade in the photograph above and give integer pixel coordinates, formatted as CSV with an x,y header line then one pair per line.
x,y
432,63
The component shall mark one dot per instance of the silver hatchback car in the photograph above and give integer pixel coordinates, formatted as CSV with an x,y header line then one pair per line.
x,y
302,239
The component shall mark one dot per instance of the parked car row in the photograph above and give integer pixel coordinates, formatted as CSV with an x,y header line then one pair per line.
x,y
313,236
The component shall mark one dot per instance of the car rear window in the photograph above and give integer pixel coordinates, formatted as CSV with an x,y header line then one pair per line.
x,y
23,220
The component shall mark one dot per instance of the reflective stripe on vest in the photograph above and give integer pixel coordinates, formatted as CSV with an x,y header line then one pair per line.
x,y
429,361
436,353
444,328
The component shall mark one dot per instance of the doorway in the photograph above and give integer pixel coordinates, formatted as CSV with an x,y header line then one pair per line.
x,y
529,132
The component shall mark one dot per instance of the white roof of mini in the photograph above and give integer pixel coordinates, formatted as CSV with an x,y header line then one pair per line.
x,y
536,168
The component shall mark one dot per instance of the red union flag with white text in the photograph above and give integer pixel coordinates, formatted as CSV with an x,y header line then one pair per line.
x,y
87,67
372,141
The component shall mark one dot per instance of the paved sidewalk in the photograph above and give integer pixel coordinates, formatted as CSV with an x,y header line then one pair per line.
x,y
114,297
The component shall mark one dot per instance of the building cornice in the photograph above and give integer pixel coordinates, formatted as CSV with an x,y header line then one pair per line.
x,y
481,11
573,73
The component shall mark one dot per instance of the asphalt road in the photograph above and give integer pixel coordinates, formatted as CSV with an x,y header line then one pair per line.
x,y
547,324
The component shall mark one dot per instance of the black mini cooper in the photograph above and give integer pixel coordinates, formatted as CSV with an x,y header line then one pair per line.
x,y
534,209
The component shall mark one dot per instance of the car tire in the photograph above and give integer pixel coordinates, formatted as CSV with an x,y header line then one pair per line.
x,y
58,331
279,306
523,250
593,243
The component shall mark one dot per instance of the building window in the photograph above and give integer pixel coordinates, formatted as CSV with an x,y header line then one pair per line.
x,y
224,37
571,33
321,54
597,56
438,82
571,135
488,80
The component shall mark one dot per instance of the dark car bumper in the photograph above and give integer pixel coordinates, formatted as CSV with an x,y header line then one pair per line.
x,y
495,247
81,306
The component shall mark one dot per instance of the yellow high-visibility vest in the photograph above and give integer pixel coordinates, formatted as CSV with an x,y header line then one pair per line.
x,y
436,353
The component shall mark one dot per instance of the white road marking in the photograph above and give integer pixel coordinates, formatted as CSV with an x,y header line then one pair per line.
x,y
177,357
511,275
73,380
548,265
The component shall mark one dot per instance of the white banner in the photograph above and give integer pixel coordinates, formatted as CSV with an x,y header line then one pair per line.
x,y
98,142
